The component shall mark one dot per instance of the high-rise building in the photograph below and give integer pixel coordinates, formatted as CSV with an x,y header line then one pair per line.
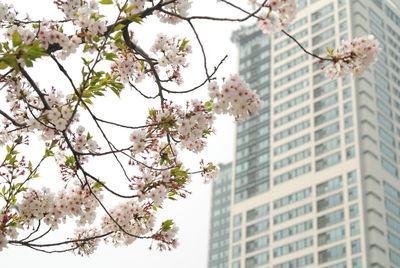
x,y
220,218
315,177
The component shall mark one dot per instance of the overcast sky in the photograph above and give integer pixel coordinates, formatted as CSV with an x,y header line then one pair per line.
x,y
191,214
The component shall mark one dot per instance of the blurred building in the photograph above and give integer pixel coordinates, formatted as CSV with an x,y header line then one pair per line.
x,y
220,218
315,177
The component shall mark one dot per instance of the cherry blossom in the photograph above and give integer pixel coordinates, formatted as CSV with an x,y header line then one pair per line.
x,y
275,14
235,98
148,155
352,57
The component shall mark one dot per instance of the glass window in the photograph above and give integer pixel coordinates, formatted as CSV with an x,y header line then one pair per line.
x,y
346,93
330,202
292,144
331,218
351,177
326,117
350,152
237,220
293,213
236,251
394,240
236,264
329,186
385,122
389,167
394,257
353,211
386,136
355,246
322,12
328,161
257,228
292,174
349,137
292,130
237,235
292,116
382,94
356,263
327,131
393,223
257,212
354,228
298,262
293,230
323,24
332,254
257,244
323,36
294,246
326,102
324,89
292,159
327,146
292,198
292,89
331,236
348,122
257,260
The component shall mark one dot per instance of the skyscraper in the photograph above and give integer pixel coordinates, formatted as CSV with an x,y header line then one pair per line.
x,y
315,179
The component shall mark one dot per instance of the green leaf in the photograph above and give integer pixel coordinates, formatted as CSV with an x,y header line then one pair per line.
x,y
119,27
16,38
135,18
3,65
106,2
183,44
130,8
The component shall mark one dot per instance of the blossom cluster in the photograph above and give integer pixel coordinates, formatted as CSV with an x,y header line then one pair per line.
x,y
138,138
76,201
47,34
6,14
128,66
85,244
235,98
276,14
129,220
173,52
84,14
194,126
353,56
83,141
178,7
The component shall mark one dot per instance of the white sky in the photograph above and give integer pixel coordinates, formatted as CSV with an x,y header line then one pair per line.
x,y
191,214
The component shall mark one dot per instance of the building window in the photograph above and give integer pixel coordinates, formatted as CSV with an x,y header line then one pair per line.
x,y
354,228
236,250
331,236
257,244
257,213
330,202
355,246
332,254
353,211
330,219
237,220
329,186
257,228
294,246
257,260
328,161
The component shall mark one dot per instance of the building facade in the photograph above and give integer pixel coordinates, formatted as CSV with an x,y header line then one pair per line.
x,y
315,177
